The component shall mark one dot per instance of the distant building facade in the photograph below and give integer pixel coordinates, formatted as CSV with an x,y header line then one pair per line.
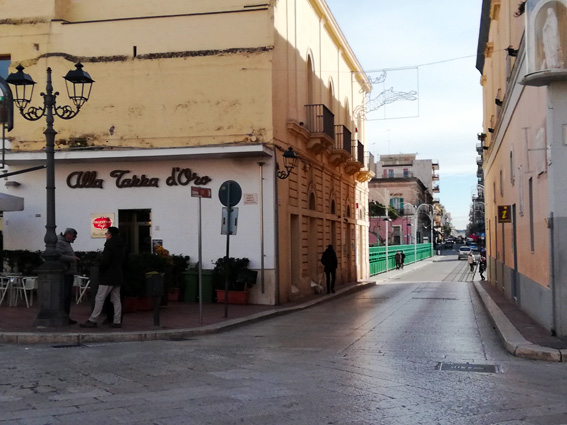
x,y
403,182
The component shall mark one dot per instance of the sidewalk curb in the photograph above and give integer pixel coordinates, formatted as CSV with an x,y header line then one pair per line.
x,y
170,334
513,340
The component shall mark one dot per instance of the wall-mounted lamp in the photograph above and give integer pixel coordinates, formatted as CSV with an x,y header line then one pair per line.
x,y
498,102
511,51
491,130
289,160
12,183
481,136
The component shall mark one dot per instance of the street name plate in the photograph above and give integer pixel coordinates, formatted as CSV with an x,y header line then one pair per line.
x,y
468,367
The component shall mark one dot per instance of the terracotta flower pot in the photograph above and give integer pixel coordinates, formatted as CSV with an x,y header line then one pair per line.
x,y
234,297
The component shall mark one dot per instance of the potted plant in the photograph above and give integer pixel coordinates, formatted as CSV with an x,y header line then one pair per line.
x,y
176,279
239,277
135,280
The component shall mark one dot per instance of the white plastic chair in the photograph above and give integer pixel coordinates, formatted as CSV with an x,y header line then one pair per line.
x,y
4,287
17,283
82,283
29,284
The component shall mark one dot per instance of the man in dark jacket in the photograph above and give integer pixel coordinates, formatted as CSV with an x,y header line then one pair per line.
x,y
111,276
69,261
329,260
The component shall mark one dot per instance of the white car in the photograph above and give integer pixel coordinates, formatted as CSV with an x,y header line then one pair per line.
x,y
464,252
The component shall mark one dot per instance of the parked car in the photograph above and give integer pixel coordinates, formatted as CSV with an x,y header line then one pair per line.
x,y
449,243
463,252
476,254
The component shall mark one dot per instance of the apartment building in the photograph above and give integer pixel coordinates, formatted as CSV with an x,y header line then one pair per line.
x,y
192,95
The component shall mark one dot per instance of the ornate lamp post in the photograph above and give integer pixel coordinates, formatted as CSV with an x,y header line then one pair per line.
x,y
289,159
50,274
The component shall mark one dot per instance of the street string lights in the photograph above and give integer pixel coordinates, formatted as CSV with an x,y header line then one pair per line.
x,y
79,85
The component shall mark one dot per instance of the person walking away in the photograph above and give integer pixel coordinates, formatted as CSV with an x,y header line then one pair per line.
x,y
68,260
470,260
398,259
110,279
403,258
482,266
330,263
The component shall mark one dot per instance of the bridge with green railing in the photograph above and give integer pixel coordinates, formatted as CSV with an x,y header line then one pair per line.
x,y
380,264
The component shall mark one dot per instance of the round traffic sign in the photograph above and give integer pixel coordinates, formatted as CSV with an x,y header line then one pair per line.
x,y
230,193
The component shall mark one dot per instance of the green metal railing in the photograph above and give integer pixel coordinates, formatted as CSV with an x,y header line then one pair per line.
x,y
378,258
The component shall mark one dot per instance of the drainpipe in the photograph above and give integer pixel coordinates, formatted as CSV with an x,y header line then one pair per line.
x,y
262,281
552,273
276,233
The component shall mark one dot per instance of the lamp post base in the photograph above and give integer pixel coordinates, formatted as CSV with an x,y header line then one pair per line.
x,y
50,291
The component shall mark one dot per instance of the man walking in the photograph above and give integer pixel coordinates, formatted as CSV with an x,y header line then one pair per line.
x,y
110,279
330,263
68,259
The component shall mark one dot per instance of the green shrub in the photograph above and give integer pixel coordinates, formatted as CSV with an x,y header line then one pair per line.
x,y
235,265
22,261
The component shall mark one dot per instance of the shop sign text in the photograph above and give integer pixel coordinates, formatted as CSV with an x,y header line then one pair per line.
x,y
125,179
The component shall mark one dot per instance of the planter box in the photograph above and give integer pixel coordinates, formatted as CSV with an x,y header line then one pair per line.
x,y
129,304
234,297
173,294
144,304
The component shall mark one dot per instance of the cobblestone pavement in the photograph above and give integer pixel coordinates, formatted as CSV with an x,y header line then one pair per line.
x,y
416,349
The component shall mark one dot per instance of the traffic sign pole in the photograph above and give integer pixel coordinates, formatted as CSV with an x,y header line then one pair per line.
x,y
226,265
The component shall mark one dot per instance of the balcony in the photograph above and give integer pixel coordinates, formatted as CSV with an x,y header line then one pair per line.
x,y
435,165
435,177
479,161
320,122
341,152
356,162
435,189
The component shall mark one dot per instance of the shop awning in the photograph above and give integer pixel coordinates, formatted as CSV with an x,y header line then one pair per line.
x,y
11,203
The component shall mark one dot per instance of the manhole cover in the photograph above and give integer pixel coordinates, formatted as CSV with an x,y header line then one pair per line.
x,y
468,367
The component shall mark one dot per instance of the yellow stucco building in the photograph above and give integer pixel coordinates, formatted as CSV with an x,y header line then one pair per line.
x,y
522,59
191,94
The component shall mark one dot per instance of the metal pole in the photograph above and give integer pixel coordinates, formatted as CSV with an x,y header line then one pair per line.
x,y
50,236
431,233
262,278
200,266
50,274
415,237
226,262
387,258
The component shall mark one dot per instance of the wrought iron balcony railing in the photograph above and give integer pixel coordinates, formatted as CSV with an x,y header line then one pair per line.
x,y
319,119
343,138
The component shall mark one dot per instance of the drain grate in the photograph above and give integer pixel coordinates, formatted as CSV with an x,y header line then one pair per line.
x,y
434,298
468,367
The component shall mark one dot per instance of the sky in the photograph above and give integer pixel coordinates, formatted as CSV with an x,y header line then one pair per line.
x,y
428,47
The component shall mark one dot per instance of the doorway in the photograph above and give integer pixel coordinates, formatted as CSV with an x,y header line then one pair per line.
x,y
136,229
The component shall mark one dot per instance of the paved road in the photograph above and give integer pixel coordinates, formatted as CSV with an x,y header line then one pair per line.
x,y
372,357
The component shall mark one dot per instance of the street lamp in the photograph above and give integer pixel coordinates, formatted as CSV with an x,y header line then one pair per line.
x,y
50,273
289,160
